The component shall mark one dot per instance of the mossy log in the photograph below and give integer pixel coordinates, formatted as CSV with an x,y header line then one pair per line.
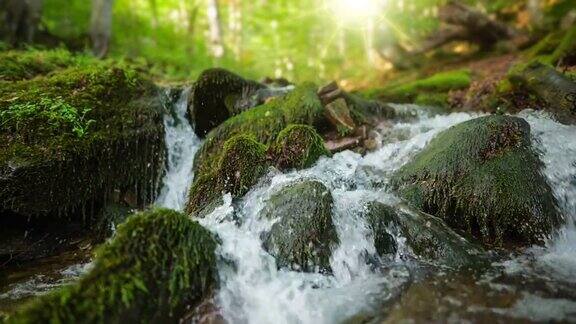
x,y
483,178
69,139
467,24
558,91
158,263
214,96
437,85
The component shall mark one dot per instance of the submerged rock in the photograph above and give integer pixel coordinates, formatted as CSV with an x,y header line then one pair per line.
x,y
242,163
297,147
427,236
304,233
158,263
214,98
483,178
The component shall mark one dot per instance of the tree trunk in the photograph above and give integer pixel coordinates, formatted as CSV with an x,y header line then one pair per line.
x,y
552,87
214,25
101,26
235,27
22,18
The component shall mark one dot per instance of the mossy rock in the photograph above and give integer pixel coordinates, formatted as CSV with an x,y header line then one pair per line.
x,y
303,235
297,147
242,163
71,138
264,122
214,95
159,263
427,236
483,178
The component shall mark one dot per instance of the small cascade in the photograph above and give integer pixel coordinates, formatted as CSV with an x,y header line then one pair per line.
x,y
181,146
253,290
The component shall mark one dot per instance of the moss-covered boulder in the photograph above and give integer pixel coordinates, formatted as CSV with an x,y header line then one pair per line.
x,y
303,234
483,178
297,147
214,96
242,163
264,122
428,237
158,263
70,139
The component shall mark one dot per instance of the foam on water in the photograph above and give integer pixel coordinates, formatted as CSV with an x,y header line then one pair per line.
x,y
253,290
181,146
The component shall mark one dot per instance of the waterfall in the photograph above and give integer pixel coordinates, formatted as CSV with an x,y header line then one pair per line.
x,y
181,146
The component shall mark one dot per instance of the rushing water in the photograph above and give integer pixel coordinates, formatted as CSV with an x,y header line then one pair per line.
x,y
181,145
253,290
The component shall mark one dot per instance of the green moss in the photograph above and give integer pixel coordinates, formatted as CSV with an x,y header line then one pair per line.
x,y
242,163
297,146
301,106
158,263
432,99
61,133
214,95
438,83
483,178
20,65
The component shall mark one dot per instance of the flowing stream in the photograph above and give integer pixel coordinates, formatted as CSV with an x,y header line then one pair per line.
x,y
253,290
541,281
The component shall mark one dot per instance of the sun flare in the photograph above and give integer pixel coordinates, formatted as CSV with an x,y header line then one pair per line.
x,y
356,11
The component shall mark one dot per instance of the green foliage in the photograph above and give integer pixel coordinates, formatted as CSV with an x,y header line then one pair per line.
x,y
483,178
298,146
54,112
158,263
19,65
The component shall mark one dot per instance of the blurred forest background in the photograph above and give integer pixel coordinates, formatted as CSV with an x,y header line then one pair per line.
x,y
347,40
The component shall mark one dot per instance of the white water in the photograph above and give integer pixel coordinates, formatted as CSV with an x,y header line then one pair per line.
x,y
253,290
556,144
181,145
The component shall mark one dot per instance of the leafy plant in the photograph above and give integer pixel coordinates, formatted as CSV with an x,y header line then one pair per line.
x,y
55,112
